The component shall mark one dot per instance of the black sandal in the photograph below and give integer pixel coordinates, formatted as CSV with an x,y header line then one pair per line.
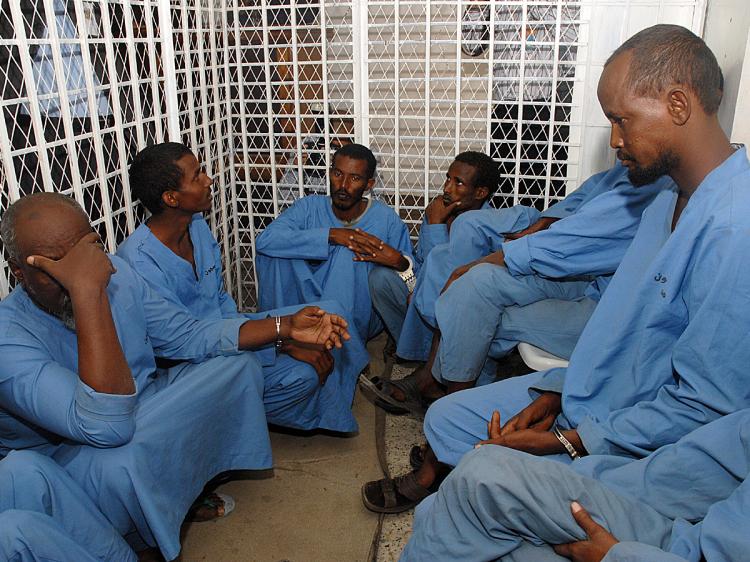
x,y
394,495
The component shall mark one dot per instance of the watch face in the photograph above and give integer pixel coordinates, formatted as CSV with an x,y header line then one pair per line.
x,y
475,31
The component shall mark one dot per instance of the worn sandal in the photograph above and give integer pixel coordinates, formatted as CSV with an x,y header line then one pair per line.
x,y
212,502
394,495
416,456
414,403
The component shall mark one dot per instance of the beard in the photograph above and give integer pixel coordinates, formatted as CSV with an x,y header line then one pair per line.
x,y
644,175
66,315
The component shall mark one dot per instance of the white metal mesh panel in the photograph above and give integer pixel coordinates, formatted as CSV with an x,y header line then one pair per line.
x,y
264,90
81,91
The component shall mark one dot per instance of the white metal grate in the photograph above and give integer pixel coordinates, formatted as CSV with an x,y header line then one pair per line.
x,y
264,90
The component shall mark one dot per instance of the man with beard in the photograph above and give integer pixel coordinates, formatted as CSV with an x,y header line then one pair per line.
x,y
79,383
470,181
323,248
666,349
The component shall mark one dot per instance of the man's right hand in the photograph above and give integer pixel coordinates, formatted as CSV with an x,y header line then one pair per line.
x,y
495,258
83,268
437,212
598,543
539,415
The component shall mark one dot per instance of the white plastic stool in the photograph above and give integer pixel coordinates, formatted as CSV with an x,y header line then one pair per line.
x,y
538,359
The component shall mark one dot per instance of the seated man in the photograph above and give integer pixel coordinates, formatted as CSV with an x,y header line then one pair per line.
x,y
323,248
470,181
45,515
509,505
543,294
175,252
665,350
79,383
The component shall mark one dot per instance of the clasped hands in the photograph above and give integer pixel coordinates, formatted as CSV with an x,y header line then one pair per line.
x,y
368,248
529,430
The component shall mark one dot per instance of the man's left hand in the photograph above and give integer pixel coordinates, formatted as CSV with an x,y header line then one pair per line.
x,y
599,539
367,247
534,441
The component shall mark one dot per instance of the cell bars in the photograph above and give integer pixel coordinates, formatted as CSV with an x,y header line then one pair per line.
x,y
264,90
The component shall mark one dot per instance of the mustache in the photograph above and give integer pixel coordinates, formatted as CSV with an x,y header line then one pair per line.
x,y
622,156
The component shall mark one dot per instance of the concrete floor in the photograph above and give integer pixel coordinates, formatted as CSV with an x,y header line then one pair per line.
x,y
309,510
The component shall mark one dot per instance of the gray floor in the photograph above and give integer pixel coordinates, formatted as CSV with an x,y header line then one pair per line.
x,y
309,510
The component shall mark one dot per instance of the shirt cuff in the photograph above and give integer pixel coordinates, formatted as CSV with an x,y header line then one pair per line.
x,y
593,438
229,337
98,405
517,256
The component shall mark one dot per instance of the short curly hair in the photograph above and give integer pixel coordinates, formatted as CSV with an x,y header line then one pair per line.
x,y
488,172
154,171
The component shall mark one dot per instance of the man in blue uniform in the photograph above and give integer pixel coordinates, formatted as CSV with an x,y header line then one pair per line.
x,y
175,252
323,248
79,383
666,348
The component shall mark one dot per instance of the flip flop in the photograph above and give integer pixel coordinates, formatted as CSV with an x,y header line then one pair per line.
x,y
212,501
394,495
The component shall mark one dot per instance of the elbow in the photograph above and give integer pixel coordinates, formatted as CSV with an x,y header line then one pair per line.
x,y
108,434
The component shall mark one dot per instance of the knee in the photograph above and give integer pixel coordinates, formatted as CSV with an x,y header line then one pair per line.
x,y
26,468
18,521
382,283
440,415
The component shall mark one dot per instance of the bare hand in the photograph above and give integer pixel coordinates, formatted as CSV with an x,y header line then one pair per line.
x,y
437,212
531,441
84,267
599,539
457,273
320,358
539,415
369,248
542,224
495,258
316,326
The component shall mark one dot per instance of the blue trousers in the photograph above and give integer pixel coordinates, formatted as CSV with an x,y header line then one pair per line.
x,y
485,295
292,395
504,504
458,421
45,515
404,324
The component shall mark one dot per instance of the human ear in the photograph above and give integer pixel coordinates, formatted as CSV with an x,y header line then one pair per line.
x,y
16,270
679,106
481,193
370,183
169,199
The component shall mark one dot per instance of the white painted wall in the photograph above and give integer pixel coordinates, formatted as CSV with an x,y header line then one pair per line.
x,y
726,33
611,23
741,125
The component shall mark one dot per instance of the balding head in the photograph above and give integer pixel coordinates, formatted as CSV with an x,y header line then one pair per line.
x,y
664,56
43,216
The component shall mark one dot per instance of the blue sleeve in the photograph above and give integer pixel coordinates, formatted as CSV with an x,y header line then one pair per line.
x,y
639,552
35,387
398,236
226,302
291,236
572,202
591,241
176,334
430,235
709,359
723,533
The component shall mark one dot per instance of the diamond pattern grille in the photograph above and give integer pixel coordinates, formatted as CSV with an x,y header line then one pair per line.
x,y
264,90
